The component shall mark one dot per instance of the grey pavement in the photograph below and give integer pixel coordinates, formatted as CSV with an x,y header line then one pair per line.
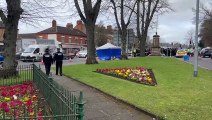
x,y
202,62
99,106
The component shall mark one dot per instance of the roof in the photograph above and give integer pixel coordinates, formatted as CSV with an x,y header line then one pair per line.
x,y
62,30
1,24
28,35
108,46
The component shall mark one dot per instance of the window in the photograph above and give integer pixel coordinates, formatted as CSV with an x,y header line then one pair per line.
x,y
69,39
63,39
80,42
37,50
85,41
41,37
76,39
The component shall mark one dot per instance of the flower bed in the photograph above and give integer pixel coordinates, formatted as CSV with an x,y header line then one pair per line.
x,y
138,74
20,101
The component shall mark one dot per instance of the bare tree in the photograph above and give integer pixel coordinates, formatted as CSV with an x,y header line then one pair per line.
x,y
27,11
146,10
101,34
206,26
125,9
189,37
206,32
89,17
11,19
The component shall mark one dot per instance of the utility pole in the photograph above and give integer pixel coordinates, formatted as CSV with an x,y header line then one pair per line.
x,y
196,40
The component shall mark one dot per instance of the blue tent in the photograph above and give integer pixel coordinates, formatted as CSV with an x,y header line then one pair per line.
x,y
108,51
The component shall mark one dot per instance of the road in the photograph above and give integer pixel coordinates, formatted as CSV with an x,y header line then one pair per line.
x,y
202,62
65,62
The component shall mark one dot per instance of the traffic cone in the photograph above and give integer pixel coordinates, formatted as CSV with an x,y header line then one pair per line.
x,y
42,62
70,60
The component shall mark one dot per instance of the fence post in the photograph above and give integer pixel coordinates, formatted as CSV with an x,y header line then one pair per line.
x,y
81,106
50,77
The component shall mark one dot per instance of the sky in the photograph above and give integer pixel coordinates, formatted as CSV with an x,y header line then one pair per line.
x,y
172,26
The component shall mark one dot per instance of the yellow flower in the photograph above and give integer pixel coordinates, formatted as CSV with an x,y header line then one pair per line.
x,y
31,114
7,98
26,98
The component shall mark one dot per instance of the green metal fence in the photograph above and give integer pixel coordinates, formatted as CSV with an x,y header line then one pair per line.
x,y
24,73
60,104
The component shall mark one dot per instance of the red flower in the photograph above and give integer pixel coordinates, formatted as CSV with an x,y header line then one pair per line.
x,y
3,104
29,102
40,114
3,93
6,108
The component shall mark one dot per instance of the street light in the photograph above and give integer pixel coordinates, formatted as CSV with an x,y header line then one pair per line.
x,y
196,41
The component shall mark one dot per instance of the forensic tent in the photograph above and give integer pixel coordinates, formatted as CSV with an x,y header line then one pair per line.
x,y
108,51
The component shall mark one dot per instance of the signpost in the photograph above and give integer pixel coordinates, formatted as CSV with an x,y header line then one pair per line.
x,y
196,41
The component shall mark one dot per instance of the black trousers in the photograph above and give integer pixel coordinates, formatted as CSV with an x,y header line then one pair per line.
x,y
47,67
59,66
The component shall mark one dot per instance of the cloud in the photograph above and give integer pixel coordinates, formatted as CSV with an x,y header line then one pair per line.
x,y
173,26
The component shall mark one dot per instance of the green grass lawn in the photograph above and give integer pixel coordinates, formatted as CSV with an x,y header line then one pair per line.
x,y
23,76
178,95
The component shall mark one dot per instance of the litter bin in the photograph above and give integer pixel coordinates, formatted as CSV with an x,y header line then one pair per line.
x,y
186,58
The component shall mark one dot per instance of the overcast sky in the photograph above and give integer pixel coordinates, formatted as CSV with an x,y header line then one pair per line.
x,y
173,26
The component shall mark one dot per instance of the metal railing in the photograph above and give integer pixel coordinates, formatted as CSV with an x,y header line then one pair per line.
x,y
59,103
22,73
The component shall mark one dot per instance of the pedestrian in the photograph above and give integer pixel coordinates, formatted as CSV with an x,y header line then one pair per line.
x,y
58,57
47,60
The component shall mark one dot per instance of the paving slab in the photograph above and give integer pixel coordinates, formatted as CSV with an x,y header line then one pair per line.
x,y
99,106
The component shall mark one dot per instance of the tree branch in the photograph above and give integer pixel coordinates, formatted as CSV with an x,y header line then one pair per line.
x,y
3,16
115,13
79,11
132,10
96,8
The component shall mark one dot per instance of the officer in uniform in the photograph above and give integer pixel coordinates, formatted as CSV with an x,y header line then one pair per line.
x,y
58,57
47,60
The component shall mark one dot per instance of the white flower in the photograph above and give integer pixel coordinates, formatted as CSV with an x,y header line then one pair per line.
x,y
15,97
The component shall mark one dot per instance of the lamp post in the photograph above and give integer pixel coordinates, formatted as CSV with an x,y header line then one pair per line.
x,y
196,41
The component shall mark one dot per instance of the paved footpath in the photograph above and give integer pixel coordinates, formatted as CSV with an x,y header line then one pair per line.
x,y
99,106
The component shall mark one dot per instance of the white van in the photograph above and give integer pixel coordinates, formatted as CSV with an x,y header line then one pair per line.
x,y
35,52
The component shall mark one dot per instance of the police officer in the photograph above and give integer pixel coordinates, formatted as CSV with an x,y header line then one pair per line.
x,y
58,57
47,60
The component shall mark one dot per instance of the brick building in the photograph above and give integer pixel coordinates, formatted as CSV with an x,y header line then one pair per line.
x,y
65,35
108,30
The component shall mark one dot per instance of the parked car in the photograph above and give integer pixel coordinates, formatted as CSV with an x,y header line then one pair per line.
x,y
181,53
18,55
82,54
206,52
190,52
1,59
211,55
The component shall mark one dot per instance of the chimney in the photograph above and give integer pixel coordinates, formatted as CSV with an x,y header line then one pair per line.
x,y
109,28
54,23
79,22
69,25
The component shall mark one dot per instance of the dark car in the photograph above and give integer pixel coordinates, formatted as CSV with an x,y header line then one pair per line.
x,y
206,52
211,55
1,59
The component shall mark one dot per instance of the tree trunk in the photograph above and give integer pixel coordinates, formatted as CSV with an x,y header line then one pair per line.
x,y
142,40
91,56
10,37
11,20
124,55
